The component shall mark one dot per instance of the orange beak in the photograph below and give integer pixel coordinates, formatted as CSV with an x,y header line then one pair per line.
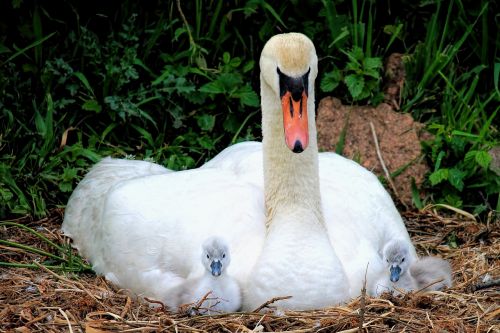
x,y
295,122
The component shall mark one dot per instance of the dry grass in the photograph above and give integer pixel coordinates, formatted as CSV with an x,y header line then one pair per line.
x,y
46,301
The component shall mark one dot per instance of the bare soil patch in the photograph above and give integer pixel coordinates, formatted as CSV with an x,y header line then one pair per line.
x,y
398,137
42,301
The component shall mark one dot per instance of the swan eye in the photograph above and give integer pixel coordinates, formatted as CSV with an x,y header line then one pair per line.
x,y
224,255
387,260
403,260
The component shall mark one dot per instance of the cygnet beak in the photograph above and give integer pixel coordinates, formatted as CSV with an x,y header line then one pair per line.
x,y
216,267
395,272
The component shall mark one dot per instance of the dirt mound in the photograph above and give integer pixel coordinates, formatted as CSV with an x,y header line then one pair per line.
x,y
397,135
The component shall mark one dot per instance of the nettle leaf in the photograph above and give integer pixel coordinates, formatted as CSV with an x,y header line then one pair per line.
x,y
232,123
372,73
353,66
247,96
331,80
357,53
355,83
92,105
483,158
373,63
69,174
214,87
206,142
235,62
248,66
183,86
226,57
455,177
65,187
230,80
438,176
206,122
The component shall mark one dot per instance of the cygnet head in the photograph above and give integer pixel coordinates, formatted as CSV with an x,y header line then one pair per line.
x,y
215,256
397,256
288,65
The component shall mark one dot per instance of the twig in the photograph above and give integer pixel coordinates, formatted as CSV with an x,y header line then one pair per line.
x,y
191,40
162,306
387,174
428,285
487,284
126,308
363,304
67,320
271,301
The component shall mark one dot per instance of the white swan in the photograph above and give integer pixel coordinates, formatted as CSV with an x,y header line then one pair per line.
x,y
225,294
144,233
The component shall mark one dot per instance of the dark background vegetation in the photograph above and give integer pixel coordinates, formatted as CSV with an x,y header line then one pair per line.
x,y
84,79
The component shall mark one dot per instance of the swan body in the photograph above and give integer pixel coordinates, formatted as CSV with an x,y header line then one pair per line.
x,y
225,294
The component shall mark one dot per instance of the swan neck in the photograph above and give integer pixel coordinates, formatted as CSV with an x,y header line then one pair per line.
x,y
291,179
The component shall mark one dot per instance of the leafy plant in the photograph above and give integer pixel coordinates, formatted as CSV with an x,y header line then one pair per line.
x,y
460,150
361,76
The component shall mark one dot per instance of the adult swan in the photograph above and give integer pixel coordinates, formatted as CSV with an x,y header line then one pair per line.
x,y
144,233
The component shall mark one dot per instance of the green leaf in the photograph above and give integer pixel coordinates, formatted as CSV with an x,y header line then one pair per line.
x,y
373,63
230,80
85,82
206,122
92,105
206,142
438,176
483,158
331,80
455,177
248,66
356,53
214,87
247,96
355,83
226,57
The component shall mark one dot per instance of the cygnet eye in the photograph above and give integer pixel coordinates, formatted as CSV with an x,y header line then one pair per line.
x,y
208,257
402,260
387,260
224,255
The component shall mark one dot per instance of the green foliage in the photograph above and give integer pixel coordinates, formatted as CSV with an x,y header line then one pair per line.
x,y
454,94
361,76
79,82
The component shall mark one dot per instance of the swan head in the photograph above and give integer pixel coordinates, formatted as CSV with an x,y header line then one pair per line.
x,y
289,66
215,256
396,254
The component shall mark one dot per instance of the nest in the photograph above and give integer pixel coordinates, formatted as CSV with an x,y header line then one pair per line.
x,y
47,300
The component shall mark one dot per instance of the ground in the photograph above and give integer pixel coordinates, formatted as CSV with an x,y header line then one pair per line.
x,y
41,300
